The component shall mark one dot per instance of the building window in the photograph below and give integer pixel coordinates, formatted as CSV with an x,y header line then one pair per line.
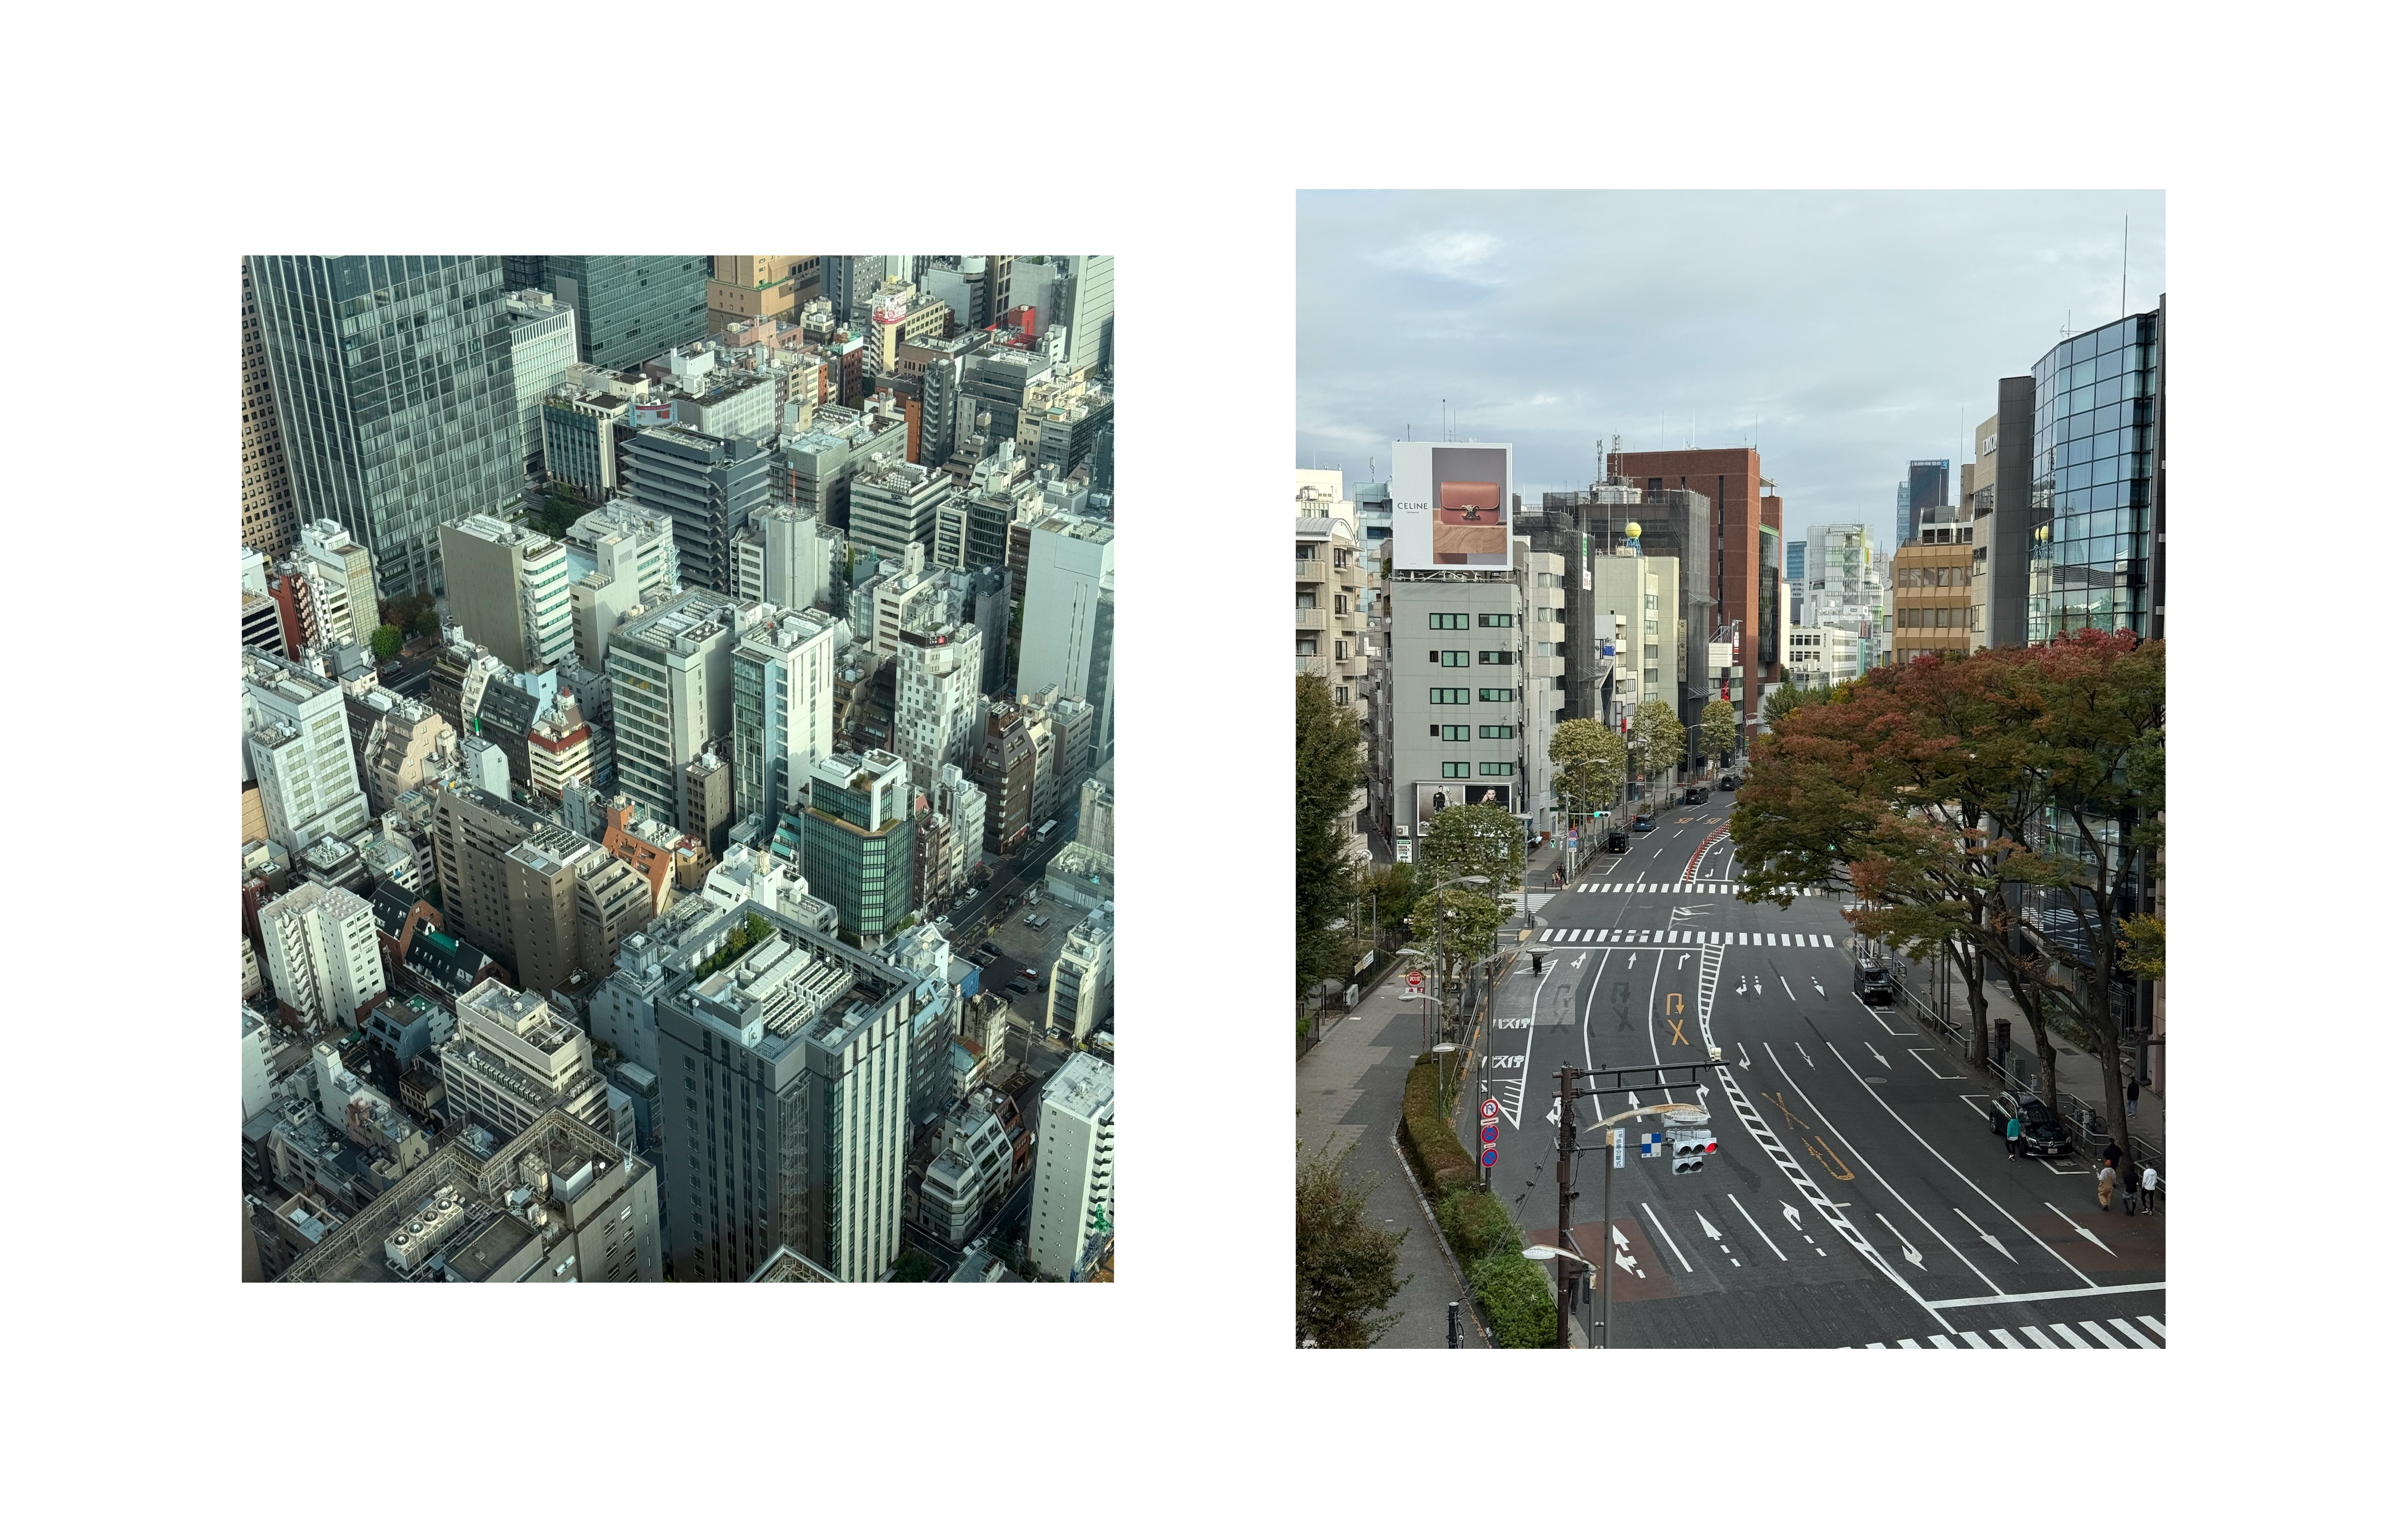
x,y
1494,659
1453,696
1496,622
1454,771
1496,768
1457,659
1496,695
1450,622
1452,734
1496,731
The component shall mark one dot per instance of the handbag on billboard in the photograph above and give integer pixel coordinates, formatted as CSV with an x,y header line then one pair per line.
x,y
1467,502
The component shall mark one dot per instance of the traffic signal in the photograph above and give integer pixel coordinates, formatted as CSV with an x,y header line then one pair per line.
x,y
1690,1146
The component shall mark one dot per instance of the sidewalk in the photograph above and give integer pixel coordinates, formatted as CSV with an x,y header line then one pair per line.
x,y
2077,1072
1350,1091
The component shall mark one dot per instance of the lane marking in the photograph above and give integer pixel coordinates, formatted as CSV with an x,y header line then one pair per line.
x,y
2049,1297
1916,1054
2109,1341
2151,1321
2138,1339
1787,988
2008,1340
2074,1340
1966,1178
2033,1336
1667,1238
1760,1229
2077,1227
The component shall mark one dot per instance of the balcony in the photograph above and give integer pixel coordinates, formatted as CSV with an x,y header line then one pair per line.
x,y
1311,619
1312,572
1315,667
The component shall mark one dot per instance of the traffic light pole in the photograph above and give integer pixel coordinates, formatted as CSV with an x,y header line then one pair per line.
x,y
1566,1144
1664,1076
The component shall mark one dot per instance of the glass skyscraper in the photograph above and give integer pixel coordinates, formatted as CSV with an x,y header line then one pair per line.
x,y
394,397
2093,495
631,309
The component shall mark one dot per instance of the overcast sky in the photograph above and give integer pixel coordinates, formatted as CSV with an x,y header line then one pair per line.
x,y
1840,333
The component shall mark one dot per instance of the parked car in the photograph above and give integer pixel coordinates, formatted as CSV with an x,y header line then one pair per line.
x,y
1696,795
1871,982
1017,985
2043,1135
1029,973
1617,841
1037,921
1728,782
1643,823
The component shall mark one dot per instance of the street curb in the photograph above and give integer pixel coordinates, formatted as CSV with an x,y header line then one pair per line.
x,y
1462,1287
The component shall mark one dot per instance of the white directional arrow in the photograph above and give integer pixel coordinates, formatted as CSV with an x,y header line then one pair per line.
x,y
1876,1052
1759,987
1989,1239
1619,1242
1622,1258
1634,1099
1706,1223
1802,1052
1913,1255
1818,985
1555,1113
1791,1213
1742,1057
2077,1227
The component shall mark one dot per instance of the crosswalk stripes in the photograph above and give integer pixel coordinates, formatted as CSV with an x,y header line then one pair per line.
x,y
1686,937
1715,889
2031,1338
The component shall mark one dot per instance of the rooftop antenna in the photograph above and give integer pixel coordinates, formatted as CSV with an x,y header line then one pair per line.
x,y
1600,461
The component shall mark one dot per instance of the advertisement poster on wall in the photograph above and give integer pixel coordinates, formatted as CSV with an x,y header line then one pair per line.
x,y
1452,505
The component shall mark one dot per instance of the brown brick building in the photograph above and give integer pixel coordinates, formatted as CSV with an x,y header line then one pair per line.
x,y
1746,575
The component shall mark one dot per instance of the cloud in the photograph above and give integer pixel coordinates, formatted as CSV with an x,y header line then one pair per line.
x,y
1466,256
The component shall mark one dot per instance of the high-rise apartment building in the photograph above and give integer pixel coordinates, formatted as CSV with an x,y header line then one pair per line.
x,y
322,956
708,486
782,700
1454,686
1087,310
543,346
297,740
631,556
508,588
857,841
1065,627
1070,1209
894,506
1079,994
473,833
670,693
939,712
342,586
394,394
788,557
268,524
1743,568
631,309
1006,772
785,1098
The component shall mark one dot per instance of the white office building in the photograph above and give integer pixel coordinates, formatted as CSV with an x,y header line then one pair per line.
x,y
322,956
782,699
511,1059
670,693
1079,995
507,586
342,585
939,716
543,348
1070,1210
298,744
785,557
257,1092
621,554
1066,622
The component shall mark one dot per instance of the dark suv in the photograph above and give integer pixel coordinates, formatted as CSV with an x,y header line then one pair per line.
x,y
2043,1135
1696,795
1728,781
1872,982
1617,841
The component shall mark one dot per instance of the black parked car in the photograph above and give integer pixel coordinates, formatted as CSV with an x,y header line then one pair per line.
x,y
1617,841
1697,794
1643,823
1728,781
1872,982
1017,985
2043,1135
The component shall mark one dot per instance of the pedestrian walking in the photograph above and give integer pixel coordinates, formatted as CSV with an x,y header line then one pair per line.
x,y
2106,1183
2014,1132
2149,1190
2114,1156
2131,1190
2132,1098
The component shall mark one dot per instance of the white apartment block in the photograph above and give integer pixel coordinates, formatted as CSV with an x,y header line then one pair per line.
x,y
342,585
257,1092
1545,596
670,693
940,715
1065,620
621,554
297,738
963,805
543,348
1070,1210
322,956
511,1059
1079,995
1637,609
906,595
785,557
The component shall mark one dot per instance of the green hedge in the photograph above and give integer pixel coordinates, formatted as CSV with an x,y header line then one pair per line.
x,y
1518,1300
1435,1152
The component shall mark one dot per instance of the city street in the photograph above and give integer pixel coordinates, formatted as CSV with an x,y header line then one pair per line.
x,y
1858,1197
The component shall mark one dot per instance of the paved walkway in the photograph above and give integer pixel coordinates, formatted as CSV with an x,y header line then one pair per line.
x,y
2077,1072
1350,1091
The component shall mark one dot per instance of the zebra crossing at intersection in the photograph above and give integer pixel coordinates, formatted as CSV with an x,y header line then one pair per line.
x,y
1686,937
2093,1337
1709,888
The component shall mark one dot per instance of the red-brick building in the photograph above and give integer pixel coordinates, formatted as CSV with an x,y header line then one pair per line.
x,y
1745,580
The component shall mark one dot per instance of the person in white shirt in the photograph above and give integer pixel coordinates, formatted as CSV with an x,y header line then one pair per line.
x,y
2149,1188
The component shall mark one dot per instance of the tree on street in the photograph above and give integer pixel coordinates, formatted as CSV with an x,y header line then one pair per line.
x,y
1717,727
385,640
1345,1266
1328,765
1657,739
1481,841
1589,761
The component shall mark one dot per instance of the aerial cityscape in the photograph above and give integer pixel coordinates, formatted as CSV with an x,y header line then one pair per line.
x,y
677,768
1765,591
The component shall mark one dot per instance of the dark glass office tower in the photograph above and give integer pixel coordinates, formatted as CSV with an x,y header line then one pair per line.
x,y
393,396
2095,488
1926,487
708,486
631,309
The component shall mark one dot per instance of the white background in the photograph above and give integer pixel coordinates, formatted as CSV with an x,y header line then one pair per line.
x,y
150,1390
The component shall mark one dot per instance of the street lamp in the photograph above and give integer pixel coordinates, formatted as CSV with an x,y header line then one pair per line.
x,y
1411,951
1443,1046
1543,1253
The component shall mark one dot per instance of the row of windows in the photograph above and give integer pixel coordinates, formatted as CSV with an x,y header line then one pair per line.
x,y
1458,768
1463,622
1463,659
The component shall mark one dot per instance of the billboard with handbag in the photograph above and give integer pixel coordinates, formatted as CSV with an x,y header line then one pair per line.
x,y
1450,506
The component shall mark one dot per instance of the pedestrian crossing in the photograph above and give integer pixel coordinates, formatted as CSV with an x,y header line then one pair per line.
x,y
2114,1335
1711,888
1686,937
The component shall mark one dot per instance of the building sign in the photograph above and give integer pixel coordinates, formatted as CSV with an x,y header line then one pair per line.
x,y
1452,507
1718,655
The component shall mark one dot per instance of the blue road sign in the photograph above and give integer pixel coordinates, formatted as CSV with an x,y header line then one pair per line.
x,y
1489,1154
1488,1131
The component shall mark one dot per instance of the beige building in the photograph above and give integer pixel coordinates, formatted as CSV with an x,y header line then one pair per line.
x,y
398,749
747,290
511,1059
270,523
1977,498
506,585
1333,637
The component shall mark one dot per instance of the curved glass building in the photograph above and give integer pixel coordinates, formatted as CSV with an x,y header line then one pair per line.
x,y
2094,498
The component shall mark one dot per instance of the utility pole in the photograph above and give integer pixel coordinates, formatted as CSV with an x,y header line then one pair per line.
x,y
1567,1138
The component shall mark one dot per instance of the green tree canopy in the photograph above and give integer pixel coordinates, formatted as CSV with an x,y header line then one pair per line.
x,y
385,640
1657,737
1345,1266
428,623
1473,840
1589,762
1717,727
1328,766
